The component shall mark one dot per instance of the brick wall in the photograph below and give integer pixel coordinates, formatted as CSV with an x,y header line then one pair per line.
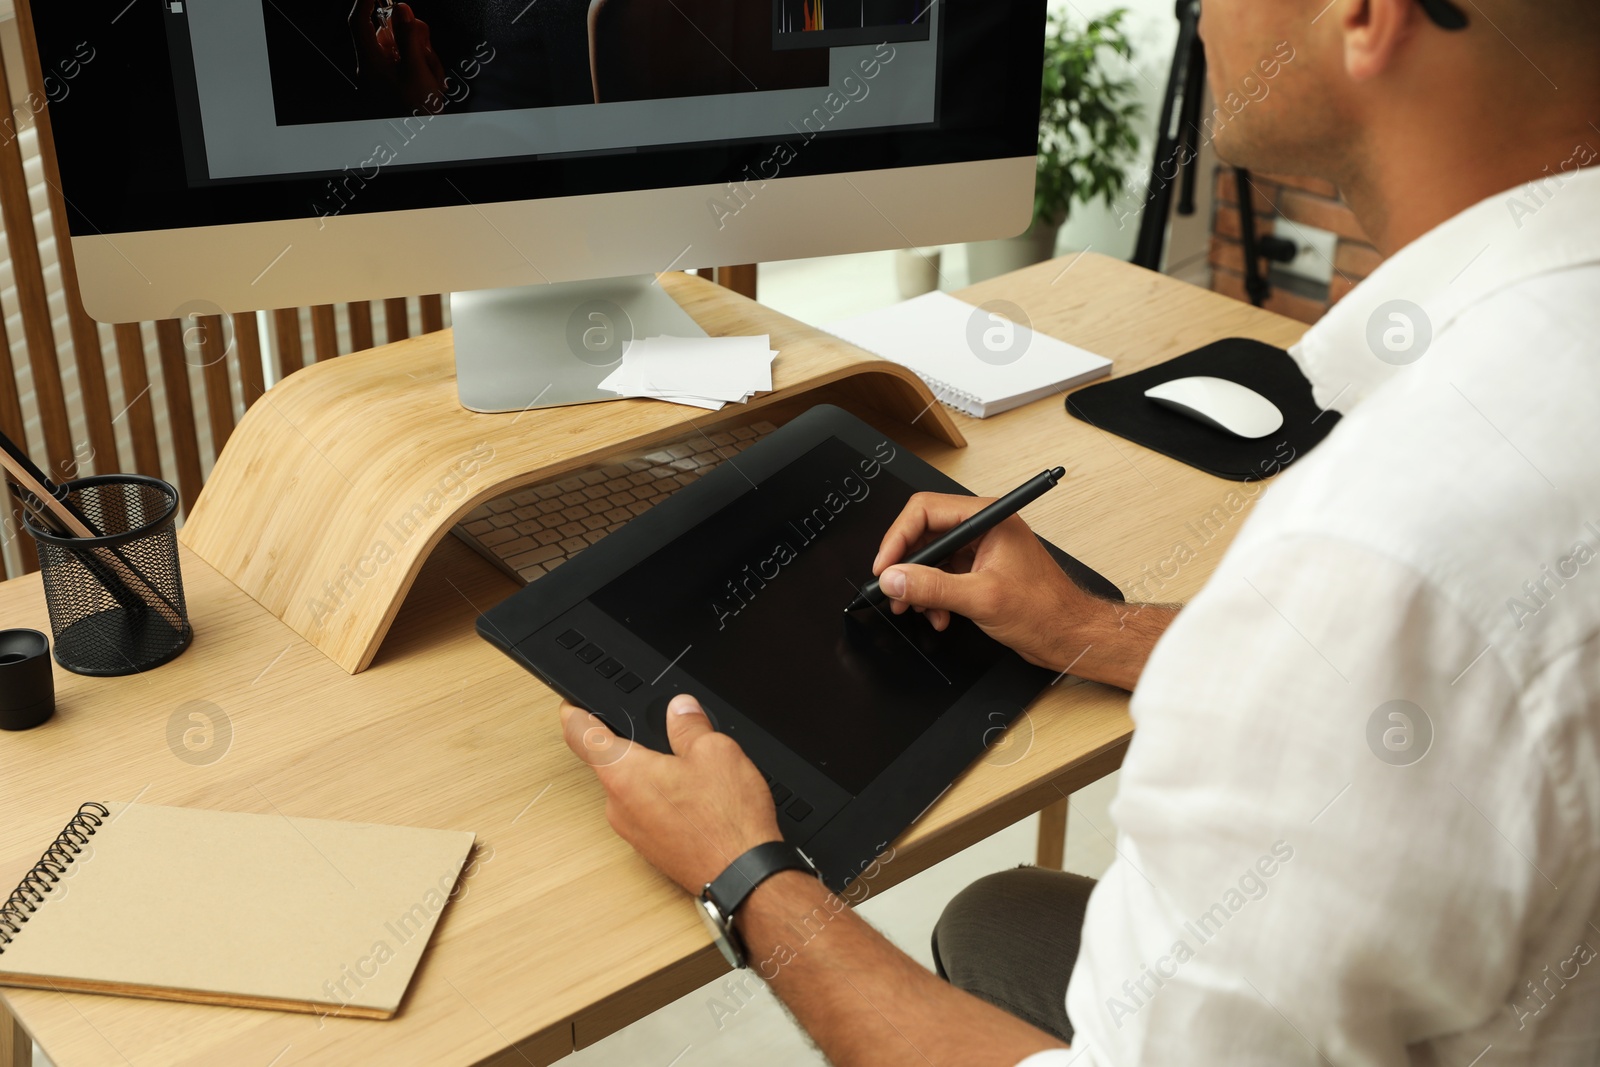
x,y
1280,204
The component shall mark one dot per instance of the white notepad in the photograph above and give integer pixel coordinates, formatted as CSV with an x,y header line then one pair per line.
x,y
213,907
974,360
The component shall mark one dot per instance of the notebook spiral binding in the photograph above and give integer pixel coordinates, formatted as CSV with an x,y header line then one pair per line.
x,y
29,894
951,397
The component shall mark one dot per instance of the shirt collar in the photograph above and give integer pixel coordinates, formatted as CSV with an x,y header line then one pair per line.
x,y
1388,321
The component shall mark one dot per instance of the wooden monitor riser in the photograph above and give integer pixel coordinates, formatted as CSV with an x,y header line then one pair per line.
x,y
340,480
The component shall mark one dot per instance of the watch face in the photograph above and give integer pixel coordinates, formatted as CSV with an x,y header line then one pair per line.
x,y
720,932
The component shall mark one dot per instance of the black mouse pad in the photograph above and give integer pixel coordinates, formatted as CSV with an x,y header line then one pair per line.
x,y
1119,406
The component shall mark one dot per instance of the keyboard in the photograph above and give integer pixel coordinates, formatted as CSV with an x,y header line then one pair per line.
x,y
531,532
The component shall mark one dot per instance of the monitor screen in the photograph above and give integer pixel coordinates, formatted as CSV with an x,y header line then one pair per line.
x,y
189,113
751,602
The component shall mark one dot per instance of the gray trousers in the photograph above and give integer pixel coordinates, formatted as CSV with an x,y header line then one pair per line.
x,y
1011,939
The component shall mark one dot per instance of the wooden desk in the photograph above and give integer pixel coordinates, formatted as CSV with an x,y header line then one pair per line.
x,y
562,934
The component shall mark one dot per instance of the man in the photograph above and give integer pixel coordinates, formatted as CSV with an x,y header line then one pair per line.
x,y
1360,820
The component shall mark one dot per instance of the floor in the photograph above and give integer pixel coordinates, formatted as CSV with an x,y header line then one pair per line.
x,y
719,1026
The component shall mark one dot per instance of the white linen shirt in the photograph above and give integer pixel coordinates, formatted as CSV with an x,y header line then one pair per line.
x,y
1360,819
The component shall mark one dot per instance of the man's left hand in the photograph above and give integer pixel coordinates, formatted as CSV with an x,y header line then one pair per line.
x,y
690,814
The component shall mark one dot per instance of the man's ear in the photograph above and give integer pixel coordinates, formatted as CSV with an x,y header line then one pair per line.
x,y
1374,31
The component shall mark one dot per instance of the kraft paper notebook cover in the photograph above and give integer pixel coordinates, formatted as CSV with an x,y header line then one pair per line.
x,y
255,911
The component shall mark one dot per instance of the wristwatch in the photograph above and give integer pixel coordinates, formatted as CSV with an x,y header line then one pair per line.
x,y
720,900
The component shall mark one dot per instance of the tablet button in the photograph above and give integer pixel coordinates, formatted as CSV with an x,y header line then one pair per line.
x,y
590,653
780,793
629,682
570,639
608,668
799,810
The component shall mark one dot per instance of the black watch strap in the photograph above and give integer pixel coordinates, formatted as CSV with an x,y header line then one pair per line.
x,y
750,870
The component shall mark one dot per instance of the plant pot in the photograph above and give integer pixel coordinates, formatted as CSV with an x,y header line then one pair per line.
x,y
916,271
990,259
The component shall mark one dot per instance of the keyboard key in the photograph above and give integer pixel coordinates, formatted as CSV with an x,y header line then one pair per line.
x,y
607,668
554,563
570,485
722,439
744,433
614,527
597,492
639,507
592,477
590,653
763,428
615,470
545,492
524,514
629,682
623,496
528,528
572,498
483,511
547,537
512,548
637,464
550,507
594,536
505,518
679,451
503,504
497,537
642,477
528,574
538,555
576,512
570,639
618,515
660,457
594,522
799,810
570,529
479,528
780,792
525,498
574,544
553,522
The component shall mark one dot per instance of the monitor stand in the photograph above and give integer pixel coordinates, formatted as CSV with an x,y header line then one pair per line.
x,y
545,346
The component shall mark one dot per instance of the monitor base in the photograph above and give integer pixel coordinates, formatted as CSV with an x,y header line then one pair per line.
x,y
544,346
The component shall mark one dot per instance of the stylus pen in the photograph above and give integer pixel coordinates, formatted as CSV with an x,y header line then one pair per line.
x,y
962,534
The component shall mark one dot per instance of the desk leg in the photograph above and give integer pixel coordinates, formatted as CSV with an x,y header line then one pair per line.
x,y
16,1047
1053,835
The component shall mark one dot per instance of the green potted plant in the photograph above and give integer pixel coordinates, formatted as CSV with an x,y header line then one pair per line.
x,y
1088,136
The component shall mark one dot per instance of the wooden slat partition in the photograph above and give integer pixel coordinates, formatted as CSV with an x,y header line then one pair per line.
x,y
324,332
432,313
140,411
209,337
247,341
359,313
396,319
180,410
291,355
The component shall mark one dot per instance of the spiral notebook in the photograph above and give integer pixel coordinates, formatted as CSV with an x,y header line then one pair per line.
x,y
211,907
979,360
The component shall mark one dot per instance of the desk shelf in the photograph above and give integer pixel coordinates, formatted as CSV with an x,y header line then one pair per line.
x,y
337,484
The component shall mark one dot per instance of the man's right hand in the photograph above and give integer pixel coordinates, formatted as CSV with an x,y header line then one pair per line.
x,y
1011,586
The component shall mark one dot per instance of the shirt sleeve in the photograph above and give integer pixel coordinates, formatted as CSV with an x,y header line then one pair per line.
x,y
1331,826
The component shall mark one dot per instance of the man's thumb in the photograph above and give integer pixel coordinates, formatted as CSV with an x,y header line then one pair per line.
x,y
929,587
686,722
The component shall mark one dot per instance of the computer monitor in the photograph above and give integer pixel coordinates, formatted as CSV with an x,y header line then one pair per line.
x,y
541,160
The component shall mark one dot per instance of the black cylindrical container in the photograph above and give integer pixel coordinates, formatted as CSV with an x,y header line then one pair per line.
x,y
116,601
27,685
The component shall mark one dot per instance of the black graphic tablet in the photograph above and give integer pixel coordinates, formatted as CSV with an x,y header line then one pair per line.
x,y
734,589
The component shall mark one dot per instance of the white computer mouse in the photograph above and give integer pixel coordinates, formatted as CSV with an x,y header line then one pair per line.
x,y
1228,406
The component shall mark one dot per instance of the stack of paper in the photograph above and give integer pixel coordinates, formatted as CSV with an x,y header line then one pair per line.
x,y
705,372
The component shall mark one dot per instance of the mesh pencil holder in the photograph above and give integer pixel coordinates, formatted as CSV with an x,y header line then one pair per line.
x,y
116,601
